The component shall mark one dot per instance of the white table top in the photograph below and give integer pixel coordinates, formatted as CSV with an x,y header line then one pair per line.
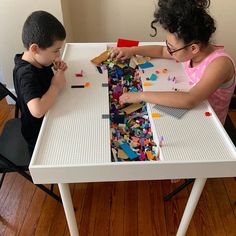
x,y
74,141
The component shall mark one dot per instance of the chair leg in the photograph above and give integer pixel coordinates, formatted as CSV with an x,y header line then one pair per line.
x,y
2,178
41,186
52,186
230,129
178,189
52,194
28,177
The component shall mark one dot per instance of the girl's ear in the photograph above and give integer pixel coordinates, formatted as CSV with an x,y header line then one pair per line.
x,y
195,48
34,48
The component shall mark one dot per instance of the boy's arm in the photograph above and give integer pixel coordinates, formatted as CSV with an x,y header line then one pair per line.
x,y
39,106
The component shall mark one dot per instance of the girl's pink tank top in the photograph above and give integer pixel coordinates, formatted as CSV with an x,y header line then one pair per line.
x,y
221,98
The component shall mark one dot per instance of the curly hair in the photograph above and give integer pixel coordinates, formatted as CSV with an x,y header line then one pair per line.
x,y
188,19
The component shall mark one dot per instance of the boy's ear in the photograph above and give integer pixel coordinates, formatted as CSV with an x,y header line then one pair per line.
x,y
34,48
195,48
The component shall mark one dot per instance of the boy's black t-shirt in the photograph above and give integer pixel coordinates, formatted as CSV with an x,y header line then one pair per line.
x,y
30,82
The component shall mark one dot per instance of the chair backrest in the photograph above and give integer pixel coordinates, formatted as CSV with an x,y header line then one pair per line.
x,y
232,105
5,92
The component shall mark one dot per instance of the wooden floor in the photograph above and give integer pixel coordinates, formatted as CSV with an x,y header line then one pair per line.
x,y
116,208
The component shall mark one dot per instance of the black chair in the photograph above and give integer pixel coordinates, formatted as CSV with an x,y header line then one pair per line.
x,y
232,105
14,154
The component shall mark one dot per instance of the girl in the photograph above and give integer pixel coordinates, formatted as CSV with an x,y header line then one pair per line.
x,y
211,71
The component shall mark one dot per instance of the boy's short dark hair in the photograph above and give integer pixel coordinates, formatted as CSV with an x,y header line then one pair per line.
x,y
43,29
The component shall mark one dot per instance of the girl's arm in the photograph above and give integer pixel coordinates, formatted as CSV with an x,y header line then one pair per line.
x,y
218,72
155,51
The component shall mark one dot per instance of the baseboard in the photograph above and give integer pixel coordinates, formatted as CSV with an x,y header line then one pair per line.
x,y
10,101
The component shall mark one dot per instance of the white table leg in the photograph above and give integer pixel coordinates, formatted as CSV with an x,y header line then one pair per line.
x,y
68,208
191,205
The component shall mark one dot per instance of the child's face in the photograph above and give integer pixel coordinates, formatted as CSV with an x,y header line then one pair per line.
x,y
177,49
46,57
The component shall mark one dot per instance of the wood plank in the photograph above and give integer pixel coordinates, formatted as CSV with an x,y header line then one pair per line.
x,y
89,212
158,210
79,195
49,212
146,214
6,186
11,209
4,194
226,215
33,214
230,187
26,192
206,215
131,208
59,225
103,195
117,209
175,207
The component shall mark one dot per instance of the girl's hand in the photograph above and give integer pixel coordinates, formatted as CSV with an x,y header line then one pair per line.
x,y
121,53
130,97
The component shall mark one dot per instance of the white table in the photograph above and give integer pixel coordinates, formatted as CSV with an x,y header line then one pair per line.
x,y
74,141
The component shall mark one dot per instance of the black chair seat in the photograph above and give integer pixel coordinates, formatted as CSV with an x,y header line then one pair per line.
x,y
11,137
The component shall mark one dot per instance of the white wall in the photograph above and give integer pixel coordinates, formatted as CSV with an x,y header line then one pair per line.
x,y
224,14
107,20
98,21
13,13
67,20
1,75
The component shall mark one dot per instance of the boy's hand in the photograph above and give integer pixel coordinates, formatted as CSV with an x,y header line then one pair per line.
x,y
131,97
121,53
58,80
59,65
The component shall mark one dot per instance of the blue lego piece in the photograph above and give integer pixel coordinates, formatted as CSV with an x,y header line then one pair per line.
x,y
153,77
126,148
146,65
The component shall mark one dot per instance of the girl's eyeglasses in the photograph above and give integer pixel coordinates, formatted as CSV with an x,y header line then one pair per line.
x,y
176,50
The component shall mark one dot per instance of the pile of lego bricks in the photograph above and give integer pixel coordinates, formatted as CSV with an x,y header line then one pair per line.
x,y
131,135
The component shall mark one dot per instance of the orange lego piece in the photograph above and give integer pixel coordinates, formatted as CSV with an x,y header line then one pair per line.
x,y
87,84
149,155
146,84
155,115
164,71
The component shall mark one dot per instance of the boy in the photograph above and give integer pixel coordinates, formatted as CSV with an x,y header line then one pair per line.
x,y
37,87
